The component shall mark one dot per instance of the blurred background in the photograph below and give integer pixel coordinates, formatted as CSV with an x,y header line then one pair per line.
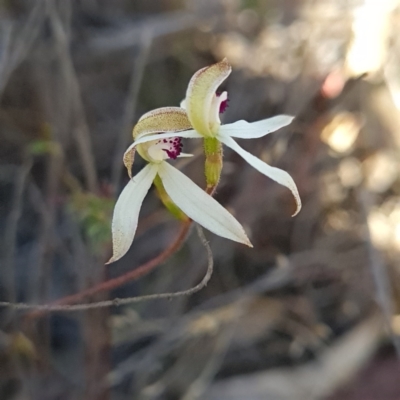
x,y
313,311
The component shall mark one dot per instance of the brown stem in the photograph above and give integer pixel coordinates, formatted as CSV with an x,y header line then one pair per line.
x,y
128,277
128,300
211,190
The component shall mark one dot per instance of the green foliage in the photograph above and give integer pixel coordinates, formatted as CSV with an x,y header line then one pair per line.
x,y
40,147
94,214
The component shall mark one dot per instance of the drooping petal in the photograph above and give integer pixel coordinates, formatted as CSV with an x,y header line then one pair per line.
x,y
200,206
276,174
185,155
252,130
200,94
126,211
129,158
166,119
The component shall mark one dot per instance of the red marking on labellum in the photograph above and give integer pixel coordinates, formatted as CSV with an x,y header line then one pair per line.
x,y
173,147
223,105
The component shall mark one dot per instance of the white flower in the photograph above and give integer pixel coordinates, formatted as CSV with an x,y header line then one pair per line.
x,y
157,138
203,106
156,148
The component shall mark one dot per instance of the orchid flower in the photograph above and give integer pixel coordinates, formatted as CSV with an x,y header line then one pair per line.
x,y
158,139
203,106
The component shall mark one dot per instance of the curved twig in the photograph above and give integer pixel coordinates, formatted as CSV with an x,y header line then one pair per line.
x,y
62,306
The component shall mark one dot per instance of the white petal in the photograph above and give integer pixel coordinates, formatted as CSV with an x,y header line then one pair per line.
x,y
126,211
252,130
184,134
276,174
183,104
182,155
200,206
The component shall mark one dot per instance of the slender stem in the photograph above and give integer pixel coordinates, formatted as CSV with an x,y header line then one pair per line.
x,y
128,277
211,190
67,303
117,301
131,300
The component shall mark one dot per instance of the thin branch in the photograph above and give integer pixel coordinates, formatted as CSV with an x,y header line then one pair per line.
x,y
129,300
109,284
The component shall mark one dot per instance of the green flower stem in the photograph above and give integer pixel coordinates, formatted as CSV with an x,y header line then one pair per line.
x,y
213,164
166,200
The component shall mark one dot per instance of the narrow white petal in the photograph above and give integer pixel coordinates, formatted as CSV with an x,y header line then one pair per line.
x,y
182,155
252,130
126,211
200,206
143,138
276,174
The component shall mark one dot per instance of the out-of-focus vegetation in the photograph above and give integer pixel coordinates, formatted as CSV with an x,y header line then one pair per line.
x,y
312,312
